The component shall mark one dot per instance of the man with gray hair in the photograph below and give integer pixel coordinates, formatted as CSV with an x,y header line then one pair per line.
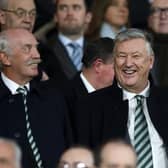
x,y
10,154
17,14
132,108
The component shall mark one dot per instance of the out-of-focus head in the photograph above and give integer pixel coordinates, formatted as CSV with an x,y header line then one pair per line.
x,y
10,154
116,154
116,13
158,18
17,14
77,157
19,55
98,57
133,59
72,16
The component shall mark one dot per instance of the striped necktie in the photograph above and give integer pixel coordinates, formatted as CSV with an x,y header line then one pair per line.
x,y
142,142
76,55
33,145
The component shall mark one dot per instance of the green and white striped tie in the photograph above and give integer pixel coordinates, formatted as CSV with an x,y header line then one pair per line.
x,y
30,137
142,142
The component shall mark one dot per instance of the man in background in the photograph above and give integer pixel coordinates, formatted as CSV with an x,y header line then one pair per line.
x,y
10,154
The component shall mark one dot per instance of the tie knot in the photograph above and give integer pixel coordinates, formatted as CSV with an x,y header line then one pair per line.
x,y
74,45
22,90
139,98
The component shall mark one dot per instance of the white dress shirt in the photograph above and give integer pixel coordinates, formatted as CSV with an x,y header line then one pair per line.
x,y
107,31
12,86
66,41
88,86
158,149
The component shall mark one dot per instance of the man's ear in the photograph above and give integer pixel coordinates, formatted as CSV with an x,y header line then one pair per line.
x,y
5,59
88,17
97,64
2,17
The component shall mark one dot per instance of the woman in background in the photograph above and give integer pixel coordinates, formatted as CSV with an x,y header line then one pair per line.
x,y
109,18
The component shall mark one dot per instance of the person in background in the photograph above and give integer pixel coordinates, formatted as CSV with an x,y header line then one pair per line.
x,y
17,14
62,59
158,27
116,153
109,18
77,157
10,154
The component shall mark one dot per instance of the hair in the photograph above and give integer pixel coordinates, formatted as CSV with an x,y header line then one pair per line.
x,y
98,10
101,48
88,4
133,33
3,4
118,141
16,148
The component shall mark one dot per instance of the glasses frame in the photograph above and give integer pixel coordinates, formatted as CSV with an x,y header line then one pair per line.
x,y
24,13
158,11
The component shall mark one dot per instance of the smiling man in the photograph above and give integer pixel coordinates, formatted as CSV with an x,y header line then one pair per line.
x,y
26,118
132,108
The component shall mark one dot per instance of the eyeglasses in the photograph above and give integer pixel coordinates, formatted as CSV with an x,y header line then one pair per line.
x,y
158,11
21,13
73,165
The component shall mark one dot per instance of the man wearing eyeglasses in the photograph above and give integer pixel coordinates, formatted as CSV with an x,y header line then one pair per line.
x,y
17,14
77,157
158,24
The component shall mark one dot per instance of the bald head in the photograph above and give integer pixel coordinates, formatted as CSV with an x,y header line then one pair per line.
x,y
117,154
10,154
76,155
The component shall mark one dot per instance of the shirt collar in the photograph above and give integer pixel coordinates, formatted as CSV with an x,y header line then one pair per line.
x,y
88,86
129,95
12,86
65,40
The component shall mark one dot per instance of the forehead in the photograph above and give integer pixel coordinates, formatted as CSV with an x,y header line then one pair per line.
x,y
75,155
131,45
118,153
25,4
6,150
160,3
71,2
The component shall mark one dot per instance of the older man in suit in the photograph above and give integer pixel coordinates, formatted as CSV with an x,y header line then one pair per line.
x,y
31,113
133,107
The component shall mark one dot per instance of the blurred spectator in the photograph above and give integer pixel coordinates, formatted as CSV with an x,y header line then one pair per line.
x,y
116,153
10,154
17,14
62,59
158,25
109,18
77,157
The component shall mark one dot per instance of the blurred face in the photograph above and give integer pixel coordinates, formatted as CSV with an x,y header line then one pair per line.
x,y
132,64
158,20
117,156
7,156
76,158
72,17
117,13
22,65
19,14
106,75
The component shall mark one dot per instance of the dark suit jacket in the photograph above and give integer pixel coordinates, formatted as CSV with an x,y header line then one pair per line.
x,y
73,91
56,61
48,119
103,115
